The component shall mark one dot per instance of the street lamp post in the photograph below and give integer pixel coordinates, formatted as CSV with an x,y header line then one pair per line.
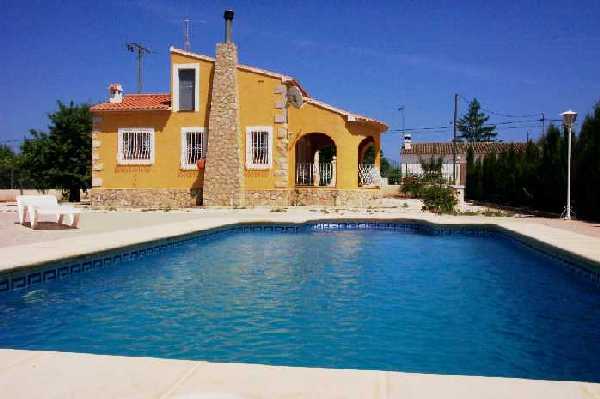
x,y
569,118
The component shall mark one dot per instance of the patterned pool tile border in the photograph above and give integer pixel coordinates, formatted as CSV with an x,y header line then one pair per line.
x,y
29,278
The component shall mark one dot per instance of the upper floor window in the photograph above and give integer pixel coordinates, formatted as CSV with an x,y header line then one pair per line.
x,y
135,146
185,87
259,143
193,146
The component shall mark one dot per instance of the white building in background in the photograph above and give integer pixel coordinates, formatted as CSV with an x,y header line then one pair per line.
x,y
411,155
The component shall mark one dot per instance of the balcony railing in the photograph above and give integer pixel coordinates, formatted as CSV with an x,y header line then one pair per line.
x,y
368,175
310,174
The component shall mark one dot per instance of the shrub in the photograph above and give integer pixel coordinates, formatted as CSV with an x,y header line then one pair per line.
x,y
439,199
412,185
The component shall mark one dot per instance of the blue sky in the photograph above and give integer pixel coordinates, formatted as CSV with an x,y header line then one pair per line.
x,y
517,58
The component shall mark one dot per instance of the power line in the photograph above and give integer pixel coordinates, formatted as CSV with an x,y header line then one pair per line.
x,y
501,114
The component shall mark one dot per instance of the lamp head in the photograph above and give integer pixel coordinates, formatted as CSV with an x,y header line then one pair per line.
x,y
569,117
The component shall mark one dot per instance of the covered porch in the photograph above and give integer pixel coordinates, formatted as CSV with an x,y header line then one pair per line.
x,y
317,163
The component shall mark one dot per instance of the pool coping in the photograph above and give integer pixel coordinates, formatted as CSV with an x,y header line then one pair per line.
x,y
33,271
87,375
66,374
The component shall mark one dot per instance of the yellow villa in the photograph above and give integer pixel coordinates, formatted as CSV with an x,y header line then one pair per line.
x,y
230,135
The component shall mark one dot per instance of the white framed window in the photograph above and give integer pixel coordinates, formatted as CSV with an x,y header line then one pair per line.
x,y
193,146
186,87
259,147
136,146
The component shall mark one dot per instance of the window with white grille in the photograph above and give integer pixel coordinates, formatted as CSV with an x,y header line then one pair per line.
x,y
259,152
136,146
193,146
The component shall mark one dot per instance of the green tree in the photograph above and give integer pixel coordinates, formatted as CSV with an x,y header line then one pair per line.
x,y
553,171
529,176
473,125
471,182
61,158
489,177
587,167
7,166
391,170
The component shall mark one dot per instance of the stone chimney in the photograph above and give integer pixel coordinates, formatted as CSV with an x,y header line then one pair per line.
x,y
115,93
407,141
224,170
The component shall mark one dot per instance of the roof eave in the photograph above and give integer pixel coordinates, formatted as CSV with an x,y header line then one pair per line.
x,y
131,110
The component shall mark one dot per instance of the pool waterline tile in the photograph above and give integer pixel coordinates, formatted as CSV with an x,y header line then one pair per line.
x,y
61,269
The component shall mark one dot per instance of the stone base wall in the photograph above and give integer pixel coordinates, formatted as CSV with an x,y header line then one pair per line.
x,y
392,191
185,198
459,193
312,196
273,198
334,197
145,197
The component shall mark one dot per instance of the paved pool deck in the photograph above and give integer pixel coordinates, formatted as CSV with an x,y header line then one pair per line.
x,y
26,374
36,374
103,230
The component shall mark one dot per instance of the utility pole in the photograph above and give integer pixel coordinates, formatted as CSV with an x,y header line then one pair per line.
x,y
139,51
543,120
454,138
401,109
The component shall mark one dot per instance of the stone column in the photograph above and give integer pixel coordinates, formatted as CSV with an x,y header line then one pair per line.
x,y
224,170
316,170
97,165
333,171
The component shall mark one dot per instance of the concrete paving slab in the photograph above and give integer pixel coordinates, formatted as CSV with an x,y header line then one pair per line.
x,y
259,381
74,375
409,386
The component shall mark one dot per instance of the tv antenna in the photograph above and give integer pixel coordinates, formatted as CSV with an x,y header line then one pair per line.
x,y
139,51
187,34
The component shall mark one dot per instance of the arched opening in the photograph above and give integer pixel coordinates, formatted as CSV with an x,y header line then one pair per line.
x,y
366,151
368,174
316,160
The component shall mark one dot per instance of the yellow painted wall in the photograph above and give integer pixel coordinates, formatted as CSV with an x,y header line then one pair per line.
x,y
311,118
166,171
257,108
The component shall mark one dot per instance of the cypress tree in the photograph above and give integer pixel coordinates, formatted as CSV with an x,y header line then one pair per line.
x,y
587,168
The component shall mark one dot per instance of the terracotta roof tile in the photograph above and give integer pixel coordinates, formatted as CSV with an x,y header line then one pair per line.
x,y
137,102
446,148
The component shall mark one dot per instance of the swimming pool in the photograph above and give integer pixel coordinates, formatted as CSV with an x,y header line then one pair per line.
x,y
406,299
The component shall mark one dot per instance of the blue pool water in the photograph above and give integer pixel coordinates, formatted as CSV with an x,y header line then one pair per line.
x,y
450,304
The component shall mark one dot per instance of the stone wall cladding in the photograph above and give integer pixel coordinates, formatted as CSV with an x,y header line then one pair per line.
x,y
357,198
272,198
97,166
145,197
312,196
281,139
224,173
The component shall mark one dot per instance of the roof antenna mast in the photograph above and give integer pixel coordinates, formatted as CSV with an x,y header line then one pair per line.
x,y
187,34
139,51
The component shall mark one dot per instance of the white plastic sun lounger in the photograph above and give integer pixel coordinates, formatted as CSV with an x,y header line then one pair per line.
x,y
35,206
